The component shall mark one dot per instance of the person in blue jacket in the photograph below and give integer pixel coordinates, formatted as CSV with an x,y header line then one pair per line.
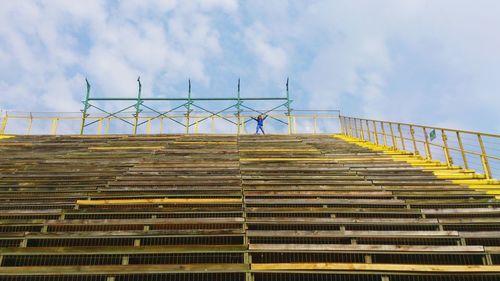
x,y
260,123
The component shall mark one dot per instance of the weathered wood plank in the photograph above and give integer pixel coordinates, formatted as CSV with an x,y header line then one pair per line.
x,y
376,267
362,248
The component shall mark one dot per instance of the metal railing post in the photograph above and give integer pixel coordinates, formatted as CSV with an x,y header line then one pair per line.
x,y
30,123
148,126
342,126
107,125
415,149
350,127
99,126
295,124
375,133
356,127
4,123
361,128
368,130
402,138
393,137
314,118
382,125
449,160
428,153
484,158
462,150
55,124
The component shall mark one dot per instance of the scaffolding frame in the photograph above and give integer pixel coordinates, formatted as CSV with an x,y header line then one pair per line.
x,y
189,102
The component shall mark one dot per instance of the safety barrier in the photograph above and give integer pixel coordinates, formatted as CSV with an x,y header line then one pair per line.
x,y
279,122
468,149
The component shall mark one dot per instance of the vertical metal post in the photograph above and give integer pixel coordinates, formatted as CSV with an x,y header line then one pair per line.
x,y
137,105
464,157
402,137
188,106
484,158
55,124
30,123
428,152
350,127
368,130
449,160
148,128
213,125
356,127
393,137
361,129
383,133
412,132
99,126
288,101
161,125
107,125
238,107
314,118
343,124
294,124
85,106
375,133
4,123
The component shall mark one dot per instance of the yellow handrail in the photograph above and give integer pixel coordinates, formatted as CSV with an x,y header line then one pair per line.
x,y
289,123
406,132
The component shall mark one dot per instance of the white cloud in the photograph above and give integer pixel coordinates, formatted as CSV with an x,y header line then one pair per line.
x,y
272,58
415,60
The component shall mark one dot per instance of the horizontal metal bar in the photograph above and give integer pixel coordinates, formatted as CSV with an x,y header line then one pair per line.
x,y
183,99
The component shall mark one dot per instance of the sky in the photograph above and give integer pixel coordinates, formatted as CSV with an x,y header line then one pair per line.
x,y
431,62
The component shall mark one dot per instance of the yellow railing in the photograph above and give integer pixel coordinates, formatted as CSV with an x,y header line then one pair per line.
x,y
469,149
312,122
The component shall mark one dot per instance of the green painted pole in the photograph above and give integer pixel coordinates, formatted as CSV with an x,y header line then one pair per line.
x,y
85,106
288,101
138,105
188,106
238,107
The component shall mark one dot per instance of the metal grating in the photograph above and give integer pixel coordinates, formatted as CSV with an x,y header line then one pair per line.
x,y
183,277
60,260
313,277
188,258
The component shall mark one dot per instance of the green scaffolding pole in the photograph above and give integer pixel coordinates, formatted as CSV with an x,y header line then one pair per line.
x,y
137,105
85,106
188,106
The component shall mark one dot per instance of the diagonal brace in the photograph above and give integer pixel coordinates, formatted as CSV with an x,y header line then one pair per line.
x,y
111,114
266,112
214,114
163,114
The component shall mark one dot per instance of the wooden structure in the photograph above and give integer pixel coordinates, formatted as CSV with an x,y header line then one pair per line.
x,y
215,207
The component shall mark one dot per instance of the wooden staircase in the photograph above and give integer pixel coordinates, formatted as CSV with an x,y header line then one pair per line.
x,y
218,207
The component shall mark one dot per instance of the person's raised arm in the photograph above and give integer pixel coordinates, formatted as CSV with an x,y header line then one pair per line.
x,y
264,118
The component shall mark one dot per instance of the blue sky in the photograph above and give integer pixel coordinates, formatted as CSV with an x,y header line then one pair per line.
x,y
434,62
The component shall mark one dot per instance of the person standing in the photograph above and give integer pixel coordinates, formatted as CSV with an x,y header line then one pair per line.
x,y
260,123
